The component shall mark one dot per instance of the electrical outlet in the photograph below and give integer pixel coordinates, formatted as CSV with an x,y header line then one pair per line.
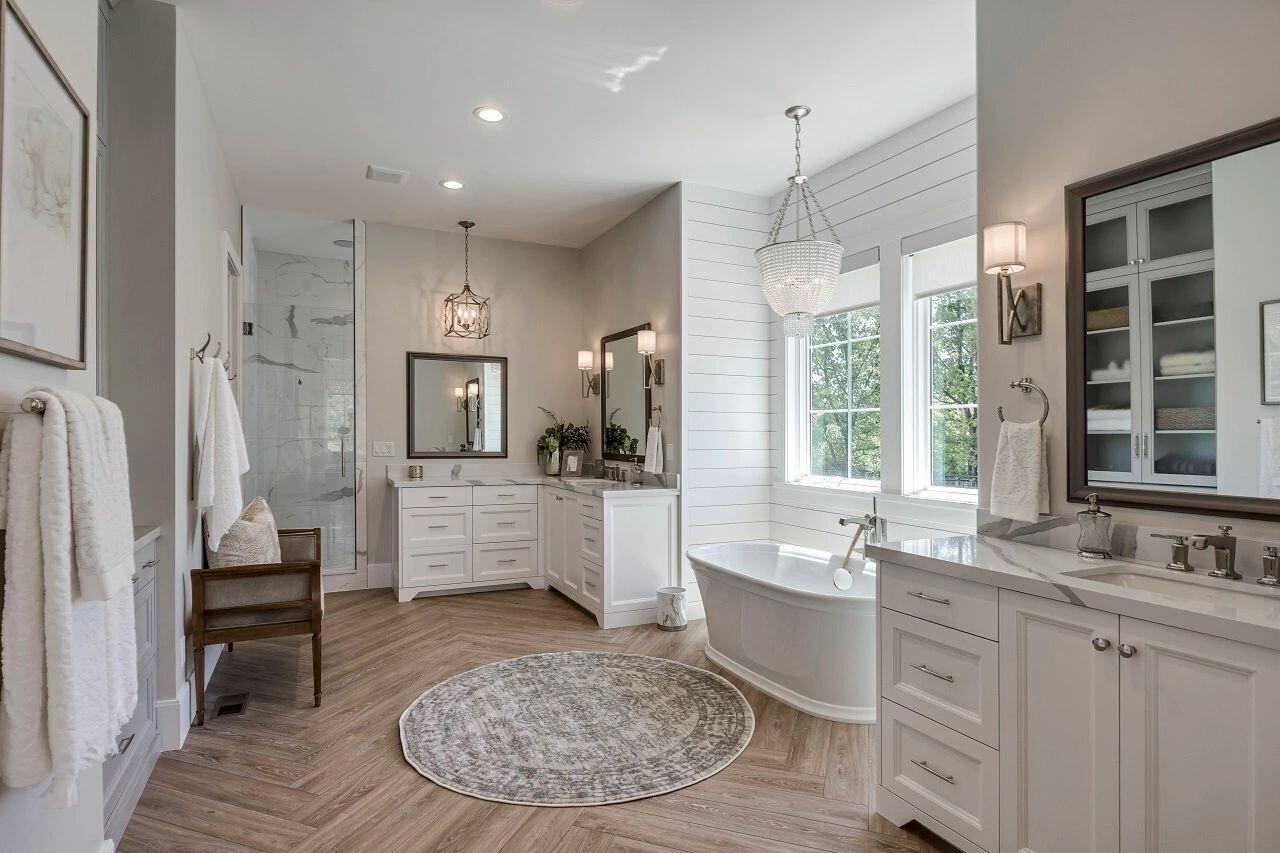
x,y
384,448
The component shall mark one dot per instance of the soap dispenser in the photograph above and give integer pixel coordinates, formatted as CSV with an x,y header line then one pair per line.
x,y
1095,531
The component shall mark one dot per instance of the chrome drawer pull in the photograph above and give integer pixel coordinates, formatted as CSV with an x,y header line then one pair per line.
x,y
437,526
123,746
588,539
438,497
924,597
506,494
151,564
924,765
438,566
927,671
505,523
506,561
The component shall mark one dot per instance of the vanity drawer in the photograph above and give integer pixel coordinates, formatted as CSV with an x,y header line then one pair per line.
x,y
952,778
590,539
962,604
433,566
423,496
488,495
517,523
499,561
591,508
431,527
144,623
947,675
132,744
592,583
145,560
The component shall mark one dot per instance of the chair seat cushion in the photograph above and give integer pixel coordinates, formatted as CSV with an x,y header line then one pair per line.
x,y
251,541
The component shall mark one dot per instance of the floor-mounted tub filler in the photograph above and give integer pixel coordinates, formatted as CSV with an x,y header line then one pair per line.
x,y
793,623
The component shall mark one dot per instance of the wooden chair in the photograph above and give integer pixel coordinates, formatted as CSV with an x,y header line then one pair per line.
x,y
238,603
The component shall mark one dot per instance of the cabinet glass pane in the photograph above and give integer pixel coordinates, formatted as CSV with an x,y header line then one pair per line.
x,y
1180,228
1111,453
1106,245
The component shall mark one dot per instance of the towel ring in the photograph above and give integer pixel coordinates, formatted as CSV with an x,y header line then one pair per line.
x,y
657,422
1026,386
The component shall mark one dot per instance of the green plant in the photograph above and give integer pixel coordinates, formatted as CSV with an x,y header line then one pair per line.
x,y
617,439
562,435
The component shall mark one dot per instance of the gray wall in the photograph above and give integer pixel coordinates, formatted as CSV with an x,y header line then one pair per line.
x,y
1071,90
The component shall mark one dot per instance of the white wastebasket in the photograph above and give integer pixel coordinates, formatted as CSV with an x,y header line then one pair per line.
x,y
671,608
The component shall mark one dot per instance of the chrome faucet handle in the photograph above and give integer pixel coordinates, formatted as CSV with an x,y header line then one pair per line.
x,y
1270,566
1179,553
1224,529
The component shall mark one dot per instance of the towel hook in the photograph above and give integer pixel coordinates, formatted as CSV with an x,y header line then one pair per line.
x,y
218,350
199,353
1026,386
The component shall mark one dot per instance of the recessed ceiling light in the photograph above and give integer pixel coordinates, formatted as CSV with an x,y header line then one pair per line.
x,y
451,185
489,114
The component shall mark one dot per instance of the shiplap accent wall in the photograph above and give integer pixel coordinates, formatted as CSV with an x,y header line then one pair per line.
x,y
732,452
921,178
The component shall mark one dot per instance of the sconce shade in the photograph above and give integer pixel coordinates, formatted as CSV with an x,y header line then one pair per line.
x,y
646,342
1004,247
608,361
586,359
459,393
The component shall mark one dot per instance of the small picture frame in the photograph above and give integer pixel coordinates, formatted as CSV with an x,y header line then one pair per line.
x,y
573,463
1270,348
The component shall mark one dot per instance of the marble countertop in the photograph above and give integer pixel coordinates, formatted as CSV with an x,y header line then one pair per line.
x,y
1037,570
585,486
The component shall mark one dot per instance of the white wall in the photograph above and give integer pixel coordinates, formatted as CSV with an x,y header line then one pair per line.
x,y
69,31
537,307
921,178
732,452
1246,220
631,275
1067,91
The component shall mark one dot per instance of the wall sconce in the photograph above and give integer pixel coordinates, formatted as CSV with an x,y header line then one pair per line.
x,y
459,396
608,362
587,363
1004,252
647,345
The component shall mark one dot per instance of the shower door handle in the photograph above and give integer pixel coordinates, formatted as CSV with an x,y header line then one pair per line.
x,y
342,456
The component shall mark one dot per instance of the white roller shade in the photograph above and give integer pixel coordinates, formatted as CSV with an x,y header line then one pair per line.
x,y
856,288
945,267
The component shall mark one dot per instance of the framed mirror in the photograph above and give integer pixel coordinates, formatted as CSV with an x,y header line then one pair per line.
x,y
1169,270
457,406
625,402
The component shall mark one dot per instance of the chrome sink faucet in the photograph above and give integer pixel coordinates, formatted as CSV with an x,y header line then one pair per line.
x,y
1224,552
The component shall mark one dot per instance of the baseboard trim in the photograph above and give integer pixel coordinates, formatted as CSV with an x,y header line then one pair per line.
x,y
381,575
899,813
174,716
812,707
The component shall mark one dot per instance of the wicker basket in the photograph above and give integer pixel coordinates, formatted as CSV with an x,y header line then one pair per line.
x,y
1197,417
1107,318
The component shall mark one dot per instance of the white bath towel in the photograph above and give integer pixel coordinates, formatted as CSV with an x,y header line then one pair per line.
x,y
222,458
1269,463
1020,480
70,662
653,451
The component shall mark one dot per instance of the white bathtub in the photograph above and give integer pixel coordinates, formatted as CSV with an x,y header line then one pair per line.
x,y
777,620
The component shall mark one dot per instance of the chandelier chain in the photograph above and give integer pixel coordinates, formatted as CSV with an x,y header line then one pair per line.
x,y
466,257
797,146
807,197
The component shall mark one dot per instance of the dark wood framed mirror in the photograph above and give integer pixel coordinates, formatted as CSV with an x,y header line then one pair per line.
x,y
457,406
1169,265
625,401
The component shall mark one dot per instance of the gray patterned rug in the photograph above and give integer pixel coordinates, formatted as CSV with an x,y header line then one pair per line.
x,y
576,729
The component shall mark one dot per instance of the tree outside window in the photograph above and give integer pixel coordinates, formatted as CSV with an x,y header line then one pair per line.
x,y
844,395
953,389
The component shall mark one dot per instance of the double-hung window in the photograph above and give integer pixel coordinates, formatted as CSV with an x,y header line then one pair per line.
x,y
844,396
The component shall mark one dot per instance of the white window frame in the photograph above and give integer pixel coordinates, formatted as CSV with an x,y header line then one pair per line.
x,y
919,448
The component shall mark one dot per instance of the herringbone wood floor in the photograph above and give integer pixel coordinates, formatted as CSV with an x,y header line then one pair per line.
x,y
289,777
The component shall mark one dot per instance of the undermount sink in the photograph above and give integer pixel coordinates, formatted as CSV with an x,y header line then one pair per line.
x,y
1200,589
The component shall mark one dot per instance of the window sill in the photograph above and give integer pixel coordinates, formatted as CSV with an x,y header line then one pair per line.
x,y
946,496
837,484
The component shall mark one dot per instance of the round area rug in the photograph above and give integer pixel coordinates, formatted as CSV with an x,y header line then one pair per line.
x,y
576,729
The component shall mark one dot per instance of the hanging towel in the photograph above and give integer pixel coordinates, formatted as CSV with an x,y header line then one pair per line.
x,y
1269,467
653,451
70,664
1020,481
221,454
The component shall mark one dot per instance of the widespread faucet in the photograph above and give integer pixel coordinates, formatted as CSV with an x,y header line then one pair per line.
x,y
1224,552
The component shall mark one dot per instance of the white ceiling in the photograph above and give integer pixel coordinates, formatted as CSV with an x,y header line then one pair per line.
x,y
293,233
609,101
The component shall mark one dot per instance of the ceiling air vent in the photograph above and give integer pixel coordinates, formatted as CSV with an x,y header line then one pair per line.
x,y
387,176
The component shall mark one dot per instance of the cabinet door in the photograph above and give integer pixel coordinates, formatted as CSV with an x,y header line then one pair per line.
x,y
1176,228
554,536
1113,394
569,544
1199,743
1059,726
1110,243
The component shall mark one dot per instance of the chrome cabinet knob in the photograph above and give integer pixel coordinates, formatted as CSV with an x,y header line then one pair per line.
x,y
1126,650
1101,643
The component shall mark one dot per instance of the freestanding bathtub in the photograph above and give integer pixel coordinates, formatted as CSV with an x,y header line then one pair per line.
x,y
777,619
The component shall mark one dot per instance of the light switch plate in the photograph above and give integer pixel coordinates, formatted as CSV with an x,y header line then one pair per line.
x,y
384,448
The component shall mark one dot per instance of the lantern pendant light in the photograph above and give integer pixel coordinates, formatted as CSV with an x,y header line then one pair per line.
x,y
798,276
465,314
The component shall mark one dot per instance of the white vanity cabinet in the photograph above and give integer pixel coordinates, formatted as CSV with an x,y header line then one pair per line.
x,y
610,554
1114,733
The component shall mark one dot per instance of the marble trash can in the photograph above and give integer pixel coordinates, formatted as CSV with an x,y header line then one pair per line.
x,y
672,615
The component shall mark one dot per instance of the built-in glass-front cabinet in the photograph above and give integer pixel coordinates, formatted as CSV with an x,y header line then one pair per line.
x,y
1150,350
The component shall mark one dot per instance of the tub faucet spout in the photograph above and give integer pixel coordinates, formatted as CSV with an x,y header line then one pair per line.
x,y
868,521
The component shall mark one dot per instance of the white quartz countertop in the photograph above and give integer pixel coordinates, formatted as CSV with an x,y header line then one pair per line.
x,y
585,486
144,534
1037,570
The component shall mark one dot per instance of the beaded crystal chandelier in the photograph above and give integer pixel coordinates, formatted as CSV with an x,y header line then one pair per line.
x,y
465,314
798,276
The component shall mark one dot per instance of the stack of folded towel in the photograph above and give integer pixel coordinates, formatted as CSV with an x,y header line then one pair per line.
x,y
1110,418
1114,370
1183,363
